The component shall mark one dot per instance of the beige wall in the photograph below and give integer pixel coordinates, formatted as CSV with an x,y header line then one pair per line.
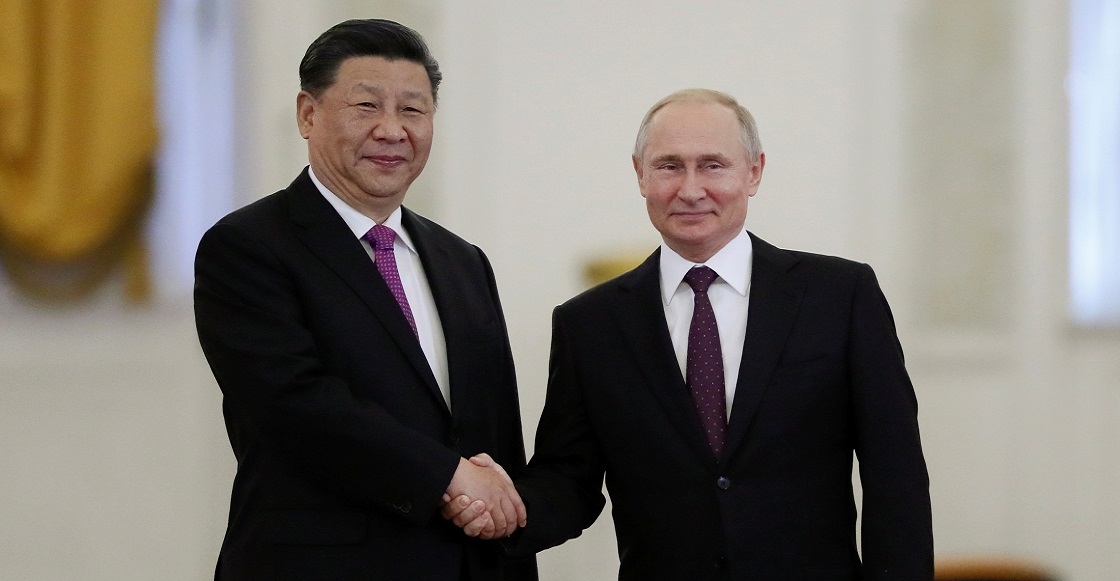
x,y
896,133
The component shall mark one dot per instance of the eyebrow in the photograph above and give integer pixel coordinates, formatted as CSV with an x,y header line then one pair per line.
x,y
666,157
702,157
380,92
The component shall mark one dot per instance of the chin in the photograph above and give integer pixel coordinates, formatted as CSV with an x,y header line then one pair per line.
x,y
692,237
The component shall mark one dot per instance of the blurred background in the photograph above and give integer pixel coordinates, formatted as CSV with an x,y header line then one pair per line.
x,y
969,150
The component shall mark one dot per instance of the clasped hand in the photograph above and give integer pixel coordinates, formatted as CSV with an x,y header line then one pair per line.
x,y
482,500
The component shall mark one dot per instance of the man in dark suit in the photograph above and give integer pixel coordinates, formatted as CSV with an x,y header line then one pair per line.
x,y
722,387
361,348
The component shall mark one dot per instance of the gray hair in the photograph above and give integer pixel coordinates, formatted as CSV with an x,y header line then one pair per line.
x,y
748,130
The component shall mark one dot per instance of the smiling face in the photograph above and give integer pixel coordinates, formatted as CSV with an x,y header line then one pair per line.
x,y
696,177
369,134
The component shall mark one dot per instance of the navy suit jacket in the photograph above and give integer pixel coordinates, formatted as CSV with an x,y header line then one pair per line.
x,y
344,444
822,376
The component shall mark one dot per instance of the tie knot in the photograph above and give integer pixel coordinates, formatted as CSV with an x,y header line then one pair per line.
x,y
699,278
381,237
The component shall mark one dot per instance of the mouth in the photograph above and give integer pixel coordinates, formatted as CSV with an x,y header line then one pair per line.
x,y
691,216
387,161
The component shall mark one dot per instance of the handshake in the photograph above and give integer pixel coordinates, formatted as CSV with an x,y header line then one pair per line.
x,y
482,501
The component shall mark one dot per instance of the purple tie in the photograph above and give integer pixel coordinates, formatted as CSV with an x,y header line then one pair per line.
x,y
704,370
381,238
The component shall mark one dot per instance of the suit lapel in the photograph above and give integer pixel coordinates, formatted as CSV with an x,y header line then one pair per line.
x,y
774,300
641,316
326,235
437,262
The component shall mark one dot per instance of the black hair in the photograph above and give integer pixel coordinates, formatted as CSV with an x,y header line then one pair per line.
x,y
354,38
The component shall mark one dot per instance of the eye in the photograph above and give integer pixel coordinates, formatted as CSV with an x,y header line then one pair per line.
x,y
367,105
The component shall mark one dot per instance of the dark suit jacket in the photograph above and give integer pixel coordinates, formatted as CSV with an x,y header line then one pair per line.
x,y
344,444
822,375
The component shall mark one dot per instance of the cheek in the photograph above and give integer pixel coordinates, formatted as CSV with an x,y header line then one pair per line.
x,y
658,193
734,204
657,201
348,124
420,134
347,137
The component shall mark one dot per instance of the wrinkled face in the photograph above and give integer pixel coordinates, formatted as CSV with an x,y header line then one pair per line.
x,y
369,134
696,177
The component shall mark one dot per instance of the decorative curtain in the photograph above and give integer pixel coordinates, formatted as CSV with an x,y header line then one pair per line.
x,y
77,138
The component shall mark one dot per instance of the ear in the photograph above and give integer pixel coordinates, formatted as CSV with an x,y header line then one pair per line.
x,y
756,173
305,112
638,171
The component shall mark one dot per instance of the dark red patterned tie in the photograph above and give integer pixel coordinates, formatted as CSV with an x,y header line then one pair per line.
x,y
381,238
704,370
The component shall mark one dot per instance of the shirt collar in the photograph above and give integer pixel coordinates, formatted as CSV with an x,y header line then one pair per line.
x,y
732,263
358,222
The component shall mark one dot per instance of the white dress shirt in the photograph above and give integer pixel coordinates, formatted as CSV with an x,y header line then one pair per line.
x,y
729,294
415,283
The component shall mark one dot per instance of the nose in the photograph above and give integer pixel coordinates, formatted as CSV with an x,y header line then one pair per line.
x,y
692,189
390,127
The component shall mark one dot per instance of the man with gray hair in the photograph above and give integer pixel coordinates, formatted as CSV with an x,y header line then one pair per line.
x,y
723,387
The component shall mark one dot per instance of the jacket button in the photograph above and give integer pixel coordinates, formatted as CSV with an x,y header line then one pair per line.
x,y
723,483
403,506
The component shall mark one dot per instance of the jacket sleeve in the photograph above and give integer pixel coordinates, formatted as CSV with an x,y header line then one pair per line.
x,y
511,440
897,536
281,399
562,487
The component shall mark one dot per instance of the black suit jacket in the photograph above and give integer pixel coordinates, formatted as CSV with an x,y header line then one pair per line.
x,y
344,444
822,375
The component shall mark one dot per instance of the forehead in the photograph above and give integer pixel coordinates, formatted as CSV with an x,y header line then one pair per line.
x,y
375,74
697,127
